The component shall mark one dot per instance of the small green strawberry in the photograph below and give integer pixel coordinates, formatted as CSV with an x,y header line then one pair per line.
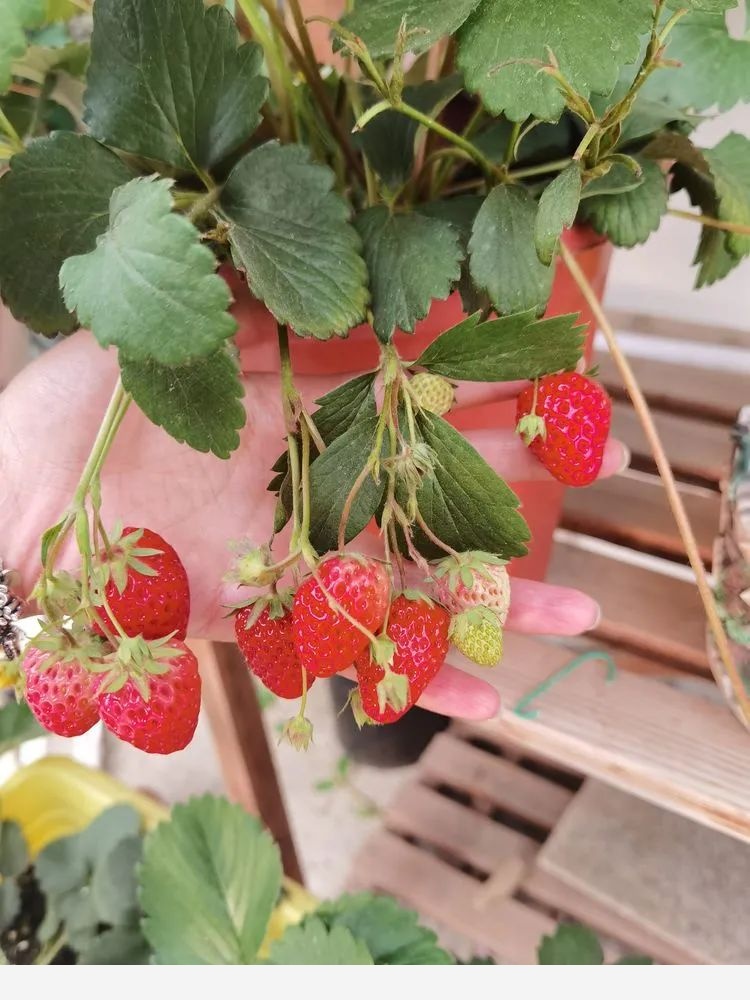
x,y
477,634
433,393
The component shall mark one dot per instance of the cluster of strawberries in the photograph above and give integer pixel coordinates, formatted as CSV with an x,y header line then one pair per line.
x,y
127,663
345,616
148,693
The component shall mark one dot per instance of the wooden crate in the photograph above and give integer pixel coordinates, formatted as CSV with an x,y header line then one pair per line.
x,y
459,843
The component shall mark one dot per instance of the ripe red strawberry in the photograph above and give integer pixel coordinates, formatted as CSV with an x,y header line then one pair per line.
x,y
146,586
268,648
62,697
419,631
325,640
166,721
567,429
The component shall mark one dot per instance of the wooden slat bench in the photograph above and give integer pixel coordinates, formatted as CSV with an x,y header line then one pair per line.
x,y
486,795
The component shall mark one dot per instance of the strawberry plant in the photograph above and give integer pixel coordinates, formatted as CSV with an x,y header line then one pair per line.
x,y
445,145
110,895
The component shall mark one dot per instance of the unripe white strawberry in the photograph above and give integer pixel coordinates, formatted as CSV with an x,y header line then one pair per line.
x,y
478,580
433,393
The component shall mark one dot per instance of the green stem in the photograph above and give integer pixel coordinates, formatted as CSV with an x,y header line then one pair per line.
x,y
540,168
15,139
591,133
488,168
113,416
203,204
511,147
708,220
304,535
315,82
282,84
52,948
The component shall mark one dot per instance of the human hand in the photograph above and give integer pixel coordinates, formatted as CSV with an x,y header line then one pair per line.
x,y
49,416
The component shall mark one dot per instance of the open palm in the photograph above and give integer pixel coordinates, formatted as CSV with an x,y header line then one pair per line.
x,y
49,416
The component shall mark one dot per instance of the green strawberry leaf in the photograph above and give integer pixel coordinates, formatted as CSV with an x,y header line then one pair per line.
x,y
116,946
17,725
502,253
378,22
672,146
209,881
66,865
729,163
15,15
460,212
712,256
150,286
558,206
464,502
313,944
504,42
332,477
290,233
617,180
411,260
389,139
168,82
392,934
571,945
114,884
337,411
500,350
344,406
14,855
10,903
631,216
199,404
54,202
712,70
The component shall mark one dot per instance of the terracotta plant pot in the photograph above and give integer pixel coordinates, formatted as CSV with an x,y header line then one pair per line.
x,y
541,502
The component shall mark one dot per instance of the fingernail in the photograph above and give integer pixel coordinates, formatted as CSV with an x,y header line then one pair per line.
x,y
597,619
626,456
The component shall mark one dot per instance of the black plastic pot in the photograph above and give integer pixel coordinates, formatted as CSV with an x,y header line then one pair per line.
x,y
395,745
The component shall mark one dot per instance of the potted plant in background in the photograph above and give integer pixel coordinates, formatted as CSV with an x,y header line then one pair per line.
x,y
448,158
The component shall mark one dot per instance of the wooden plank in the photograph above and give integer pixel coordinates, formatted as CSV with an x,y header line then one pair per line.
x,y
450,761
677,329
691,391
467,835
641,609
664,745
546,888
632,510
697,451
502,927
241,744
677,879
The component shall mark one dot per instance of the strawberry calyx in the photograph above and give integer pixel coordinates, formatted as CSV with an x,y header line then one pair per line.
x,y
530,427
464,621
278,603
298,732
253,565
461,569
358,711
69,642
137,660
123,554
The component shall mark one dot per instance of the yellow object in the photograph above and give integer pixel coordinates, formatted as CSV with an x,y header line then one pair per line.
x,y
56,796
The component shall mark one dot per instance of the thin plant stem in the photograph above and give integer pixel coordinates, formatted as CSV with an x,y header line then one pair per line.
x,y
488,168
315,82
540,168
278,71
707,220
665,471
